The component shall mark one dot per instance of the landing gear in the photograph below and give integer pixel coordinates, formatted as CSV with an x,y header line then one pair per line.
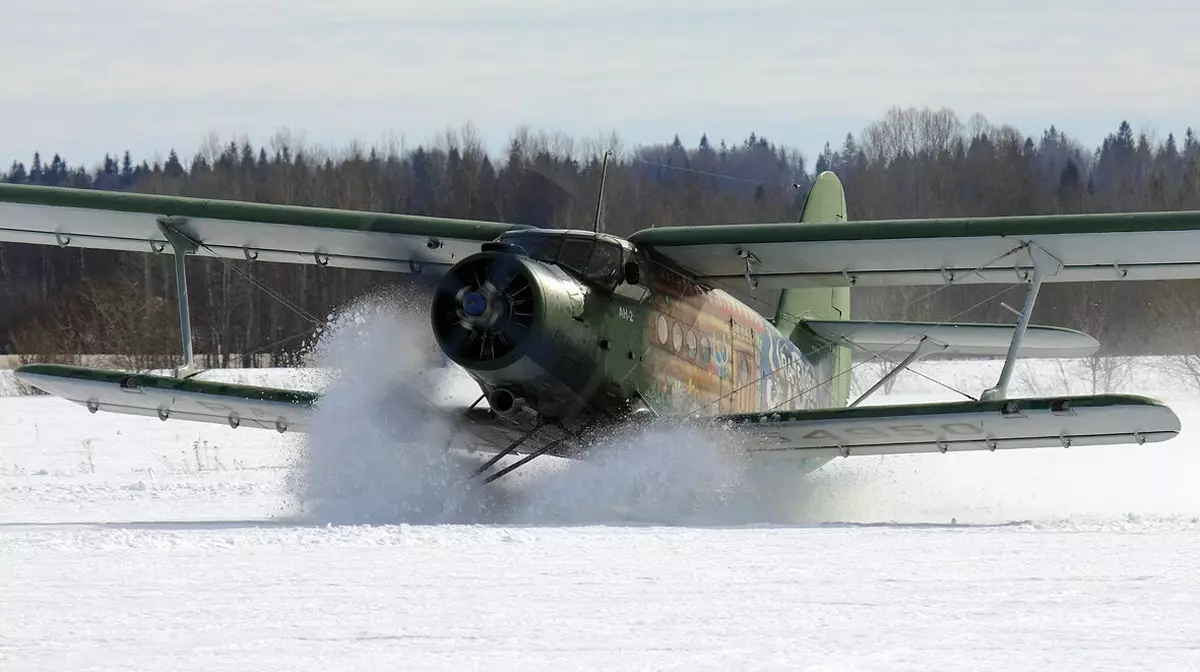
x,y
545,438
507,451
524,460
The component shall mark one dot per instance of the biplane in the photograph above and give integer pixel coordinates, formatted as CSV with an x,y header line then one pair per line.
x,y
572,334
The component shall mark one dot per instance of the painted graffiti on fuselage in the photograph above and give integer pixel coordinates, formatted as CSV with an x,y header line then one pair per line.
x,y
707,353
789,381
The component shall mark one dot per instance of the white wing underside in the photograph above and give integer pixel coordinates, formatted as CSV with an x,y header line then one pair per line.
x,y
233,230
1149,255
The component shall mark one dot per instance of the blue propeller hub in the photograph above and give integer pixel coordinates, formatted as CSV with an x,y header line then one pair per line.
x,y
474,303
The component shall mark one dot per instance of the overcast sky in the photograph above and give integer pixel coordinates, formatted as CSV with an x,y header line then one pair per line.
x,y
83,77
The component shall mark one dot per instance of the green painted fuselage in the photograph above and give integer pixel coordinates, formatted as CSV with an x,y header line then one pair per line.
x,y
665,346
574,327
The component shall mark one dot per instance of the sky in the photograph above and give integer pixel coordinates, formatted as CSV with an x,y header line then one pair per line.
x,y
85,78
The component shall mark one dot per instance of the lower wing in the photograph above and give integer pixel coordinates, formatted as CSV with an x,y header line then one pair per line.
x,y
174,398
958,426
237,405
863,430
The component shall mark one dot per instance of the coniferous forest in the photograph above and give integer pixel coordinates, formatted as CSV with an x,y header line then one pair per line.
x,y
911,163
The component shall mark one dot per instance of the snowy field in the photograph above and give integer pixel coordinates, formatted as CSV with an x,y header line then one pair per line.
x,y
132,544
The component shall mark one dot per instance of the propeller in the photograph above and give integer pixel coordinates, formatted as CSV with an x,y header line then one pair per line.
x,y
483,308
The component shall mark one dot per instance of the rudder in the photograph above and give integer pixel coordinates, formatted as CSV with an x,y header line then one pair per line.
x,y
825,203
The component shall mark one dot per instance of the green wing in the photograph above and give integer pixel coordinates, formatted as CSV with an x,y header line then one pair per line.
x,y
239,406
1061,422
239,230
1138,246
174,398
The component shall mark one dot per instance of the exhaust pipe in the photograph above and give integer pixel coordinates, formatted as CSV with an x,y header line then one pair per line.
x,y
503,402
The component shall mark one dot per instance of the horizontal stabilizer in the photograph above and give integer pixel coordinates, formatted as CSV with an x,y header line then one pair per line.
x,y
970,340
173,398
951,427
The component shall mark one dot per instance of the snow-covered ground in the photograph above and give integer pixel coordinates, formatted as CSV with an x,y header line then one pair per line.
x,y
132,544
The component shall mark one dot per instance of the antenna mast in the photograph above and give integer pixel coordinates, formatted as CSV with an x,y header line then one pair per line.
x,y
600,196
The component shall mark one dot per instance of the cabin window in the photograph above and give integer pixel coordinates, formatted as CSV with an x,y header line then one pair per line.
x,y
690,344
663,329
705,351
677,337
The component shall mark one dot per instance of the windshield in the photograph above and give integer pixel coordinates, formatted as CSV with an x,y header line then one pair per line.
x,y
604,267
594,260
574,255
539,246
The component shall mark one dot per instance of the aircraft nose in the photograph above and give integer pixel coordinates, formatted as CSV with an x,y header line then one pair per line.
x,y
474,303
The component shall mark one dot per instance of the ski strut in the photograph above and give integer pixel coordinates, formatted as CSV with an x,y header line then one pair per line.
x,y
507,450
525,460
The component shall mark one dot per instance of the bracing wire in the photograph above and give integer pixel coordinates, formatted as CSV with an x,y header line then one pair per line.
x,y
830,346
695,171
283,300
266,289
894,346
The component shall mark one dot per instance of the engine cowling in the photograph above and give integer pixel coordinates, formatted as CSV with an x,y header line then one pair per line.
x,y
485,309
517,324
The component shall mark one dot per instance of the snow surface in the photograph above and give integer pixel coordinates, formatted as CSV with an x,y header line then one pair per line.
x,y
132,544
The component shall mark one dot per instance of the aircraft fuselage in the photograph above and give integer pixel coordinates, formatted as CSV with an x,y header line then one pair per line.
x,y
569,326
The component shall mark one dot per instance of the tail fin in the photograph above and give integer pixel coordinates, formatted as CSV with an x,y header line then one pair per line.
x,y
826,202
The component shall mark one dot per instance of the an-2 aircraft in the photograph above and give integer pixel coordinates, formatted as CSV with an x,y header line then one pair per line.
x,y
571,334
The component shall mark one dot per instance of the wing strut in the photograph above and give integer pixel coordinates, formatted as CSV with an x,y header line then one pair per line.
x,y
925,347
182,246
1044,264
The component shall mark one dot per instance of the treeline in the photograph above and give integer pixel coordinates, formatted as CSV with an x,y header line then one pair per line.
x,y
911,163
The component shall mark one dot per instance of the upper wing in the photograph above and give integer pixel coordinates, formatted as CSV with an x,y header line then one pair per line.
x,y
1138,246
233,229
970,425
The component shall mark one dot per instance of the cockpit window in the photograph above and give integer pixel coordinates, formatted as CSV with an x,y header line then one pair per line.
x,y
540,246
604,268
574,255
595,260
